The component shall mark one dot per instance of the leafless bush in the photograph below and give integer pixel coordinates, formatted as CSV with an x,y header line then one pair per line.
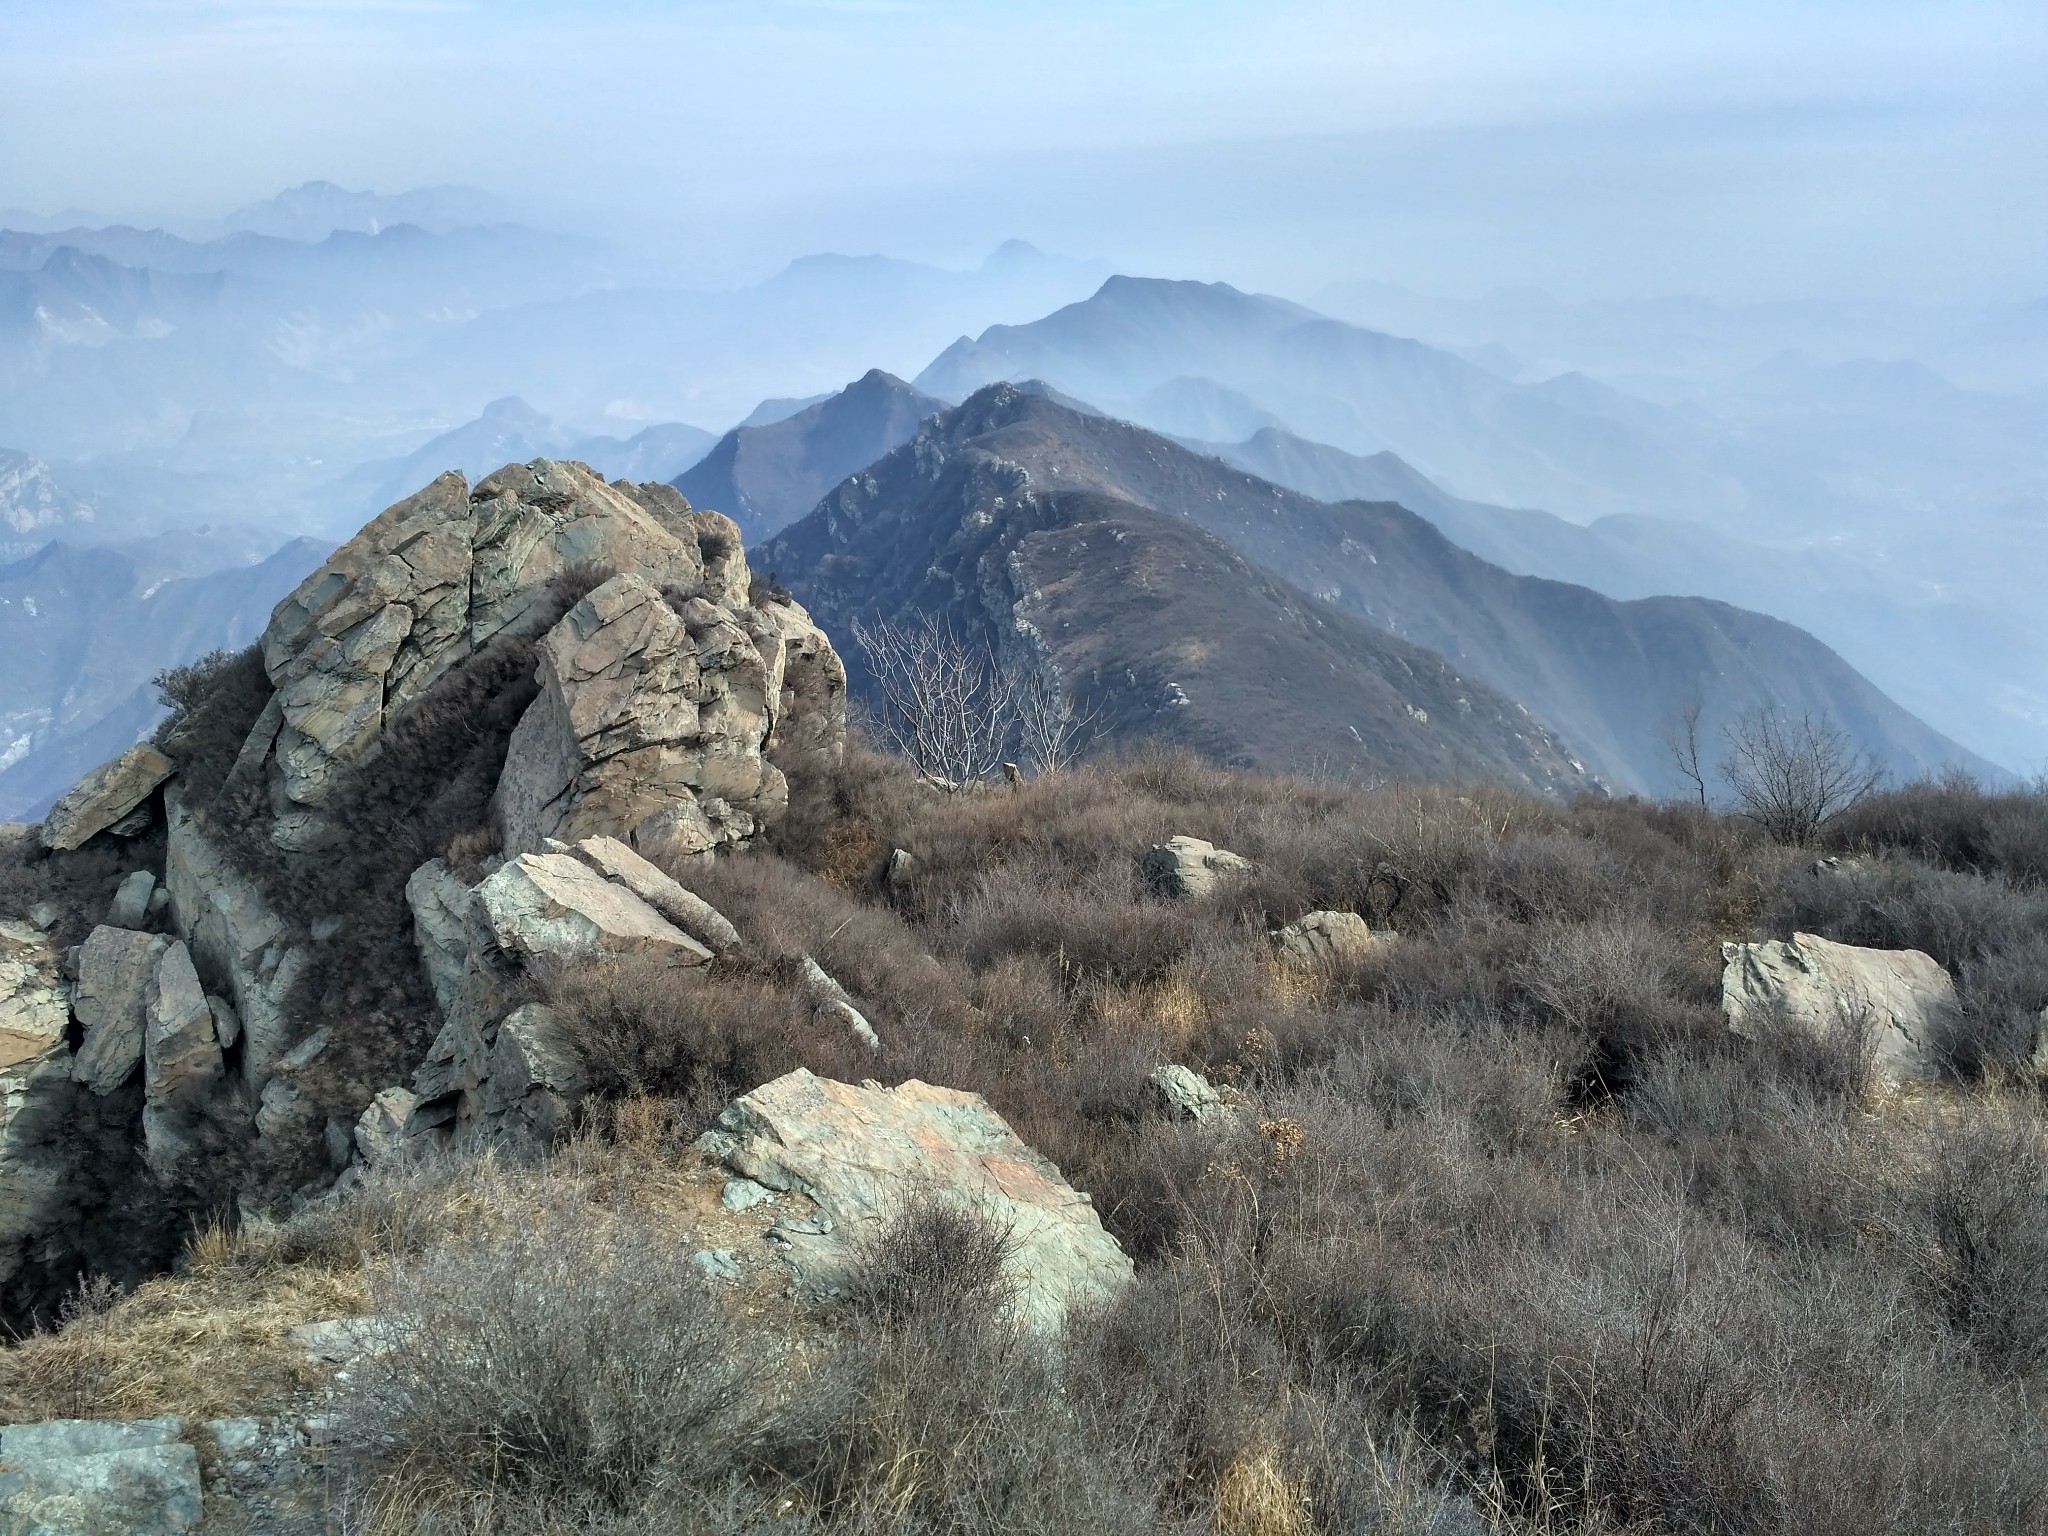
x,y
1794,777
944,701
932,1264
570,1356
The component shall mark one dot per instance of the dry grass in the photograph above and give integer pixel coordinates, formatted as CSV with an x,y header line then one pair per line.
x,y
210,1343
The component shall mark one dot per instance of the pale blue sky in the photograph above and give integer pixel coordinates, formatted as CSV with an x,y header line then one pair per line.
x,y
1742,149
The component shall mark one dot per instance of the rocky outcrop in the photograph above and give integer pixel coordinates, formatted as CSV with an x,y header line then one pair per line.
x,y
444,572
1186,867
1903,998
1323,939
237,940
113,797
515,1083
863,1154
81,1477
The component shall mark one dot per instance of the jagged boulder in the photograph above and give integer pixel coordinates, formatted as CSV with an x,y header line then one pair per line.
x,y
445,571
1187,1095
1323,939
863,1153
514,1083
831,1006
116,970
650,725
1902,997
130,906
107,799
1186,867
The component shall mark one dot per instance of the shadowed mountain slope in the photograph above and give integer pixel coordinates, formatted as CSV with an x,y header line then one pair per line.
x,y
765,477
1157,628
1608,676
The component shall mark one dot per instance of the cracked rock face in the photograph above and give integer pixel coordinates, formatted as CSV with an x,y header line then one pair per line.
x,y
116,970
427,582
650,726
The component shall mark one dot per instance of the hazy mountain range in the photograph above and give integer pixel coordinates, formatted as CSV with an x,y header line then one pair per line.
x,y
1874,474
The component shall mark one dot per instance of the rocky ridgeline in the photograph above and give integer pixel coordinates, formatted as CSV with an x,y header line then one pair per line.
x,y
151,1065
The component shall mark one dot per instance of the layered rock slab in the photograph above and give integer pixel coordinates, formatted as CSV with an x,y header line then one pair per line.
x,y
864,1154
106,799
1903,998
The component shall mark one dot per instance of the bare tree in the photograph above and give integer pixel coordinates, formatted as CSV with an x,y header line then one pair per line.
x,y
945,702
1052,732
1682,738
1792,777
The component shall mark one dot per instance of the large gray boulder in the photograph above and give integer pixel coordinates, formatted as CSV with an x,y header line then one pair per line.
x,y
1187,867
116,972
1902,997
98,1477
108,798
863,1153
685,908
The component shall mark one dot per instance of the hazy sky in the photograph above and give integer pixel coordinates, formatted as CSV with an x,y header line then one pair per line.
x,y
1739,148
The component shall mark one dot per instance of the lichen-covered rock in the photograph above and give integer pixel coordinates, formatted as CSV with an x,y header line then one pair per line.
x,y
236,939
1324,939
1902,997
98,1477
116,972
644,713
548,904
1188,867
864,1153
105,798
